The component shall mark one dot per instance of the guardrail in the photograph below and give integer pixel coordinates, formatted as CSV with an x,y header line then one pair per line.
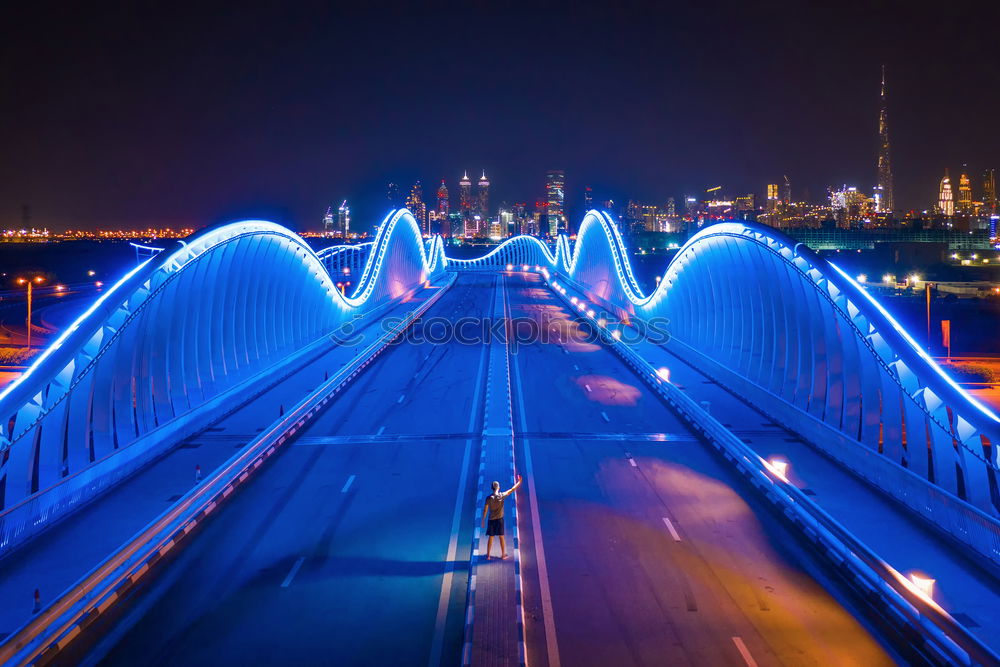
x,y
948,515
57,625
939,638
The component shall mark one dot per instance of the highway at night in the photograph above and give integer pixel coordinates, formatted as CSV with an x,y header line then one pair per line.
x,y
334,514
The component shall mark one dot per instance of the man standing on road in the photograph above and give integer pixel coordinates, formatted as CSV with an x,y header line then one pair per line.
x,y
493,508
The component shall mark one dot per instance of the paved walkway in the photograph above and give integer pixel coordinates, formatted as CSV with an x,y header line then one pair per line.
x,y
495,632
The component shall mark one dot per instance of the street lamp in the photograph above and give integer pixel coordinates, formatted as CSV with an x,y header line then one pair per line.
x,y
29,282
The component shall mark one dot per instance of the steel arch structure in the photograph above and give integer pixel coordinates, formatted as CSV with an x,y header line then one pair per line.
x,y
177,331
745,300
515,252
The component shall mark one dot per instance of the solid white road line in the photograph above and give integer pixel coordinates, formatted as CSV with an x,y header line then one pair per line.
x,y
632,462
444,599
551,647
604,416
401,397
381,430
587,387
350,480
293,572
673,531
745,652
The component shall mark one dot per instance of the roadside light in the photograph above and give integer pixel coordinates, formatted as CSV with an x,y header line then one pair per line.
x,y
887,278
862,278
346,270
524,267
658,279
573,300
616,334
91,273
914,278
99,284
603,322
924,586
663,373
60,288
590,314
510,267
779,467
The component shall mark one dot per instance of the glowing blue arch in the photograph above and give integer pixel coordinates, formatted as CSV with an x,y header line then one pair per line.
x,y
517,251
174,334
750,305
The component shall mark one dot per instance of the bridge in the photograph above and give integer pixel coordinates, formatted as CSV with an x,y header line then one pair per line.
x,y
247,451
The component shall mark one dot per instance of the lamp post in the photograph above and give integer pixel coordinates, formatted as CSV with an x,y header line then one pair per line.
x,y
29,282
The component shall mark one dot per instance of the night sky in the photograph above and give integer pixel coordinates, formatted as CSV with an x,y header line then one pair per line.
x,y
117,115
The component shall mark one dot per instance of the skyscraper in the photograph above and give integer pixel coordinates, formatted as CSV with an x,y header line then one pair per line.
x,y
990,191
946,202
417,206
772,197
483,199
328,221
465,204
442,195
343,226
555,195
886,200
964,205
786,192
588,199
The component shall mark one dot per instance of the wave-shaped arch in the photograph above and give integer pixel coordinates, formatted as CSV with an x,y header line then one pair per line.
x,y
745,299
179,330
517,251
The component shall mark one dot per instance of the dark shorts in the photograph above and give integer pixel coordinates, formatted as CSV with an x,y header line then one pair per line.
x,y
494,527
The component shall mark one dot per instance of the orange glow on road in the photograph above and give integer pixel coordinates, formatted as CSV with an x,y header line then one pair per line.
x,y
607,390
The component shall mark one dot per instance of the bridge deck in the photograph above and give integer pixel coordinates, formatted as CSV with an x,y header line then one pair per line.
x,y
638,545
68,550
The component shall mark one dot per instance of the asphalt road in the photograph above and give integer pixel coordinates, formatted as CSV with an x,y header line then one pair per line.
x,y
655,552
352,546
345,549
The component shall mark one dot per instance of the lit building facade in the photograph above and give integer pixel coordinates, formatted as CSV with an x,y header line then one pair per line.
x,y
417,206
946,200
483,197
555,195
884,189
442,199
964,204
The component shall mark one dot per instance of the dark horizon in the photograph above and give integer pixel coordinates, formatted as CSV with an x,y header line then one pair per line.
x,y
184,117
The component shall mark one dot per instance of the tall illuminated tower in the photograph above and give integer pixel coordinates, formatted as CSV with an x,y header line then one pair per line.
x,y
442,195
964,205
946,202
417,206
990,191
884,187
483,199
343,227
555,195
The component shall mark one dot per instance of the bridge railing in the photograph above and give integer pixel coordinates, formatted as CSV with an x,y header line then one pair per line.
x,y
137,372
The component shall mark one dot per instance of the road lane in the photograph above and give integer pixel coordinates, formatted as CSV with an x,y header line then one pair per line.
x,y
624,590
370,562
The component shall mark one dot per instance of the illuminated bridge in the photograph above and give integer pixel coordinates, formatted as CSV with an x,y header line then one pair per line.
x,y
248,452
